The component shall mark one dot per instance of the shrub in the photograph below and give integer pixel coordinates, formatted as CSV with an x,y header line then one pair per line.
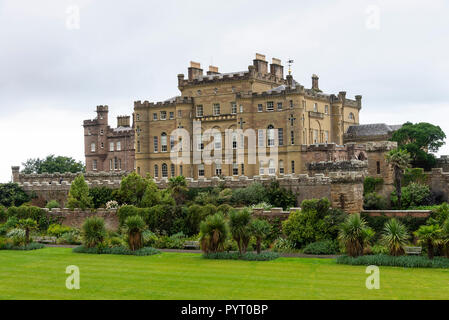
x,y
224,208
415,175
394,237
253,194
94,232
374,201
371,184
135,226
100,196
28,225
249,256
164,218
11,223
53,204
57,230
377,223
127,211
402,261
149,238
379,249
213,233
71,237
262,205
412,196
354,234
11,194
24,212
112,205
17,236
283,245
239,225
79,194
280,197
259,229
3,215
121,250
26,247
322,247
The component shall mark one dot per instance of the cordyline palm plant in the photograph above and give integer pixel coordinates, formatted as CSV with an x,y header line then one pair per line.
x,y
394,237
213,233
429,235
239,225
260,229
399,160
94,232
354,234
445,237
135,226
178,188
27,225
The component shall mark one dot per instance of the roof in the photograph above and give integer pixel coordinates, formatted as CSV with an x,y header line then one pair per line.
x,y
373,129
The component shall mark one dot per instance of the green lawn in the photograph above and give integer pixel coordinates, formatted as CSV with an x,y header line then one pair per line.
x,y
41,274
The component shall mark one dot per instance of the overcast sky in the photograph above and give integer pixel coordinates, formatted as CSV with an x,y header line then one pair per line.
x,y
57,65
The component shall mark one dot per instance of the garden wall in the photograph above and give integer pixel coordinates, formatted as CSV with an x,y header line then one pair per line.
x,y
75,218
398,213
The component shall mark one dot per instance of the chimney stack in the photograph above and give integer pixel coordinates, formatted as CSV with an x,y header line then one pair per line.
x,y
315,82
261,64
359,101
15,174
277,69
195,70
212,70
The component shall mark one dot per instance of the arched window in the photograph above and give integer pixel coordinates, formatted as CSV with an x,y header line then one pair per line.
x,y
164,142
217,141
270,135
156,171
351,116
172,169
164,170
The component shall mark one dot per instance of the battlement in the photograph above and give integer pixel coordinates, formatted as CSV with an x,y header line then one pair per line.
x,y
381,146
339,169
168,103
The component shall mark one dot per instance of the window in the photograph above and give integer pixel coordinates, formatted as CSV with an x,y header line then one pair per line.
x,y
138,146
292,120
138,130
243,169
378,167
200,144
326,109
201,170
233,108
92,147
292,137
326,136
164,142
281,136
137,117
351,116
235,169
199,111
218,169
154,116
138,170
291,104
94,165
270,106
172,170
315,136
172,142
261,168
304,104
172,115
217,140
163,115
271,167
260,136
241,109
119,146
116,166
89,132
234,141
164,171
156,171
293,166
102,145
111,146
216,109
279,106
281,167
101,131
179,113
315,107
156,144
110,165
259,108
270,136
180,170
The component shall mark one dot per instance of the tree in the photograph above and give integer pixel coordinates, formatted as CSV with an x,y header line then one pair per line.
x,y
395,236
52,164
11,194
213,233
79,194
419,140
94,232
239,225
178,189
354,234
399,160
101,195
260,229
429,235
280,197
27,225
133,188
135,226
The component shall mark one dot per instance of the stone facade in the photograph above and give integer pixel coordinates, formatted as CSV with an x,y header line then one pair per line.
x,y
106,148
439,182
260,98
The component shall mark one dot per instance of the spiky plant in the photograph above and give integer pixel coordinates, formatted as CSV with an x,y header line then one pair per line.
x,y
213,233
445,237
239,225
399,160
354,234
135,226
395,236
260,229
27,225
429,235
94,232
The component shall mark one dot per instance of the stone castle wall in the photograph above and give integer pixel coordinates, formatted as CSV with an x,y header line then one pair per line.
x,y
439,182
75,218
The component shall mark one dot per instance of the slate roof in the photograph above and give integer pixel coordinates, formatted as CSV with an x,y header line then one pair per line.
x,y
373,129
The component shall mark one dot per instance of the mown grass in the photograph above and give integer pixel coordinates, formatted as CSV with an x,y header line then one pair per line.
x,y
40,274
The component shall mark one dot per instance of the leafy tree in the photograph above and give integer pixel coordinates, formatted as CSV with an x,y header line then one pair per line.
x,y
399,160
213,233
100,196
260,229
419,140
374,201
253,194
395,236
11,194
27,225
52,164
79,194
239,225
354,234
138,191
94,232
429,235
280,197
414,195
178,189
135,226
52,204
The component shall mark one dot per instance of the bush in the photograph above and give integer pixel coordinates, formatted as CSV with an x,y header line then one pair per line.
x,y
213,233
224,208
355,234
253,194
283,245
322,247
129,211
94,232
239,225
249,256
371,184
72,237
29,212
412,196
3,215
175,241
27,247
280,197
402,261
18,237
135,226
414,175
374,201
149,238
53,204
79,194
379,249
57,230
11,223
121,250
112,205
11,194
377,223
101,196
164,219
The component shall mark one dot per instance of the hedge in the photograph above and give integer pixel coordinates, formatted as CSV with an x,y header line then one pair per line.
x,y
249,256
390,261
